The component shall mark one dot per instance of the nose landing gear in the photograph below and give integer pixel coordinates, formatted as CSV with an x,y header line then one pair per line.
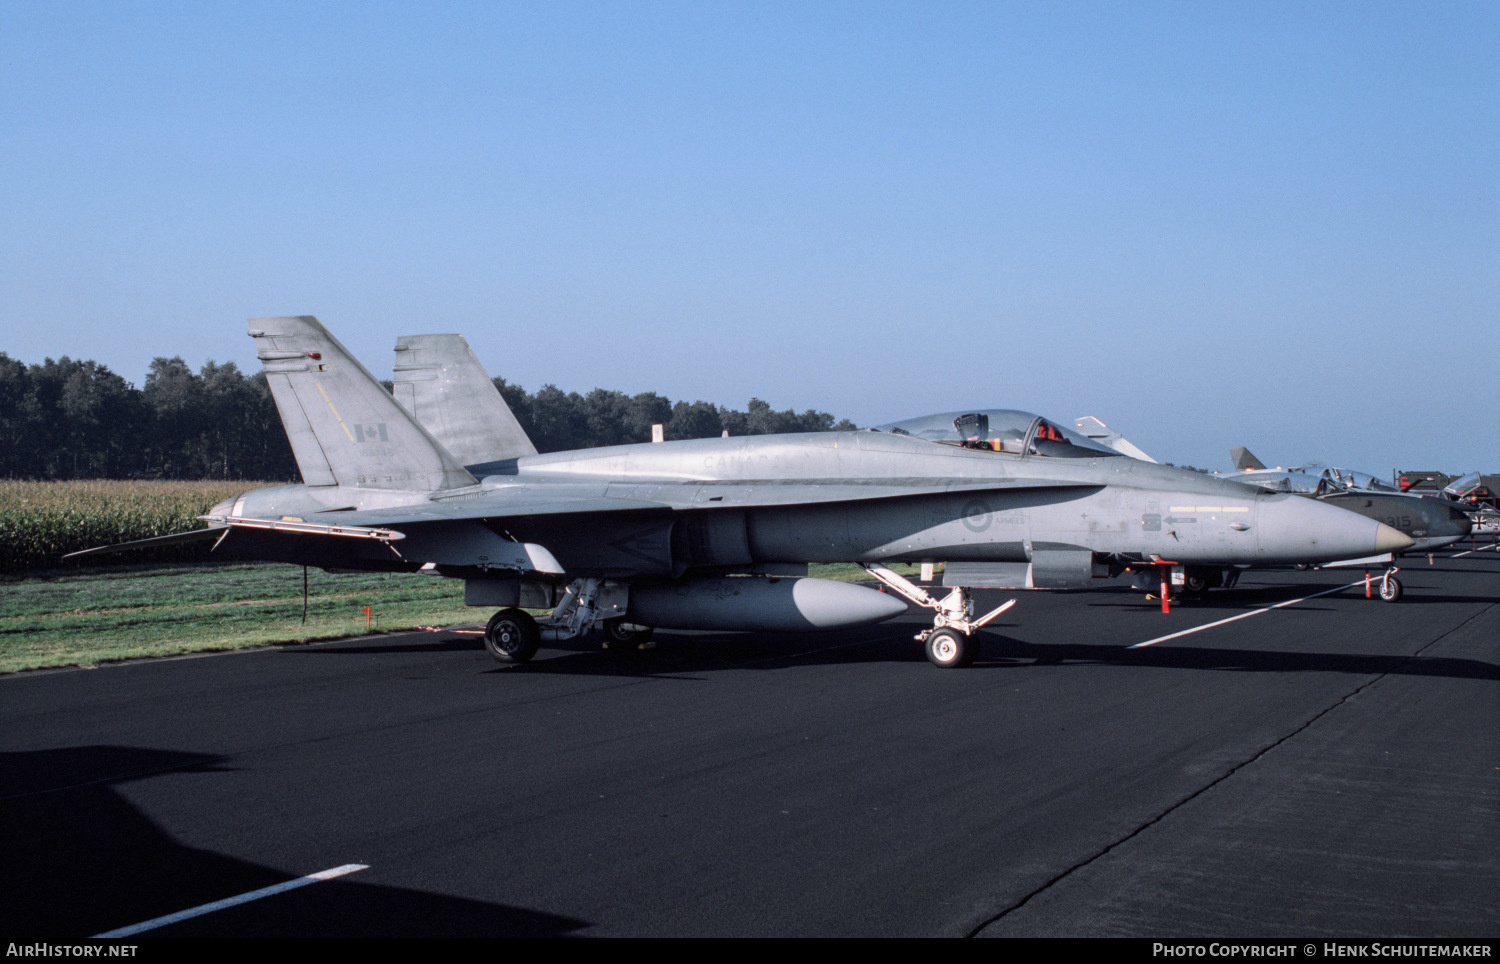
x,y
950,642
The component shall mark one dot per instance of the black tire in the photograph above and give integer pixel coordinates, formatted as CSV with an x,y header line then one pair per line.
x,y
512,636
617,636
951,649
1195,583
1390,589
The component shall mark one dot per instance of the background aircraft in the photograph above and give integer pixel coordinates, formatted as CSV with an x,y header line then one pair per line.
x,y
664,535
1431,522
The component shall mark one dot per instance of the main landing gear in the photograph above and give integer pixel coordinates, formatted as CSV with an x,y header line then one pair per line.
x,y
513,636
950,642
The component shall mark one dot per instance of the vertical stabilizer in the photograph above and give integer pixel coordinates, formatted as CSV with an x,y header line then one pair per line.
x,y
1244,460
439,381
1094,429
345,428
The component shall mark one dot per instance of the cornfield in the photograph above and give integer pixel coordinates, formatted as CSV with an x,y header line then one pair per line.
x,y
41,521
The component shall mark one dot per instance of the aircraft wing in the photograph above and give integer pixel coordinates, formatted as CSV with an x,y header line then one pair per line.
x,y
175,539
533,499
221,528
536,500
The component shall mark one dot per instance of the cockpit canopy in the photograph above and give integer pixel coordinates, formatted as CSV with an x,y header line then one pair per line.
x,y
1475,488
1001,430
1314,480
1351,479
1459,488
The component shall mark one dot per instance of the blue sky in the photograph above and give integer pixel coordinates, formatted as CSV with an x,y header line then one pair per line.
x,y
1208,224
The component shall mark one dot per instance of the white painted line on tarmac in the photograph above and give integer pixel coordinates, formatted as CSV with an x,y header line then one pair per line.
x,y
1460,555
245,898
1253,612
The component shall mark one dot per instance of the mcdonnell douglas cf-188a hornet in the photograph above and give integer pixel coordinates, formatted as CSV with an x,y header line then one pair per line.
x,y
439,380
711,533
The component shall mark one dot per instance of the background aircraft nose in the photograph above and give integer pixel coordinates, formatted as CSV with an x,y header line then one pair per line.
x,y
1391,540
1457,521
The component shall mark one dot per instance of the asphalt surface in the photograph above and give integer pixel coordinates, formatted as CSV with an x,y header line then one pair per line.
x,y
1330,768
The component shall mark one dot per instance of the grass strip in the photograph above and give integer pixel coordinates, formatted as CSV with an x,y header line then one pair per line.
x,y
83,618
88,618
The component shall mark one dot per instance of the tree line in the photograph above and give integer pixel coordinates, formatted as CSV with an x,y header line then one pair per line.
x,y
68,419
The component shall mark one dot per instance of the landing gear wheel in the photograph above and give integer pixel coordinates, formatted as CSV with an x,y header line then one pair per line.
x,y
1195,584
1390,589
619,634
512,636
950,648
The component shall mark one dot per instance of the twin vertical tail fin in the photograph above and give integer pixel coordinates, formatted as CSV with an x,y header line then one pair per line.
x,y
442,384
344,427
1094,429
1244,460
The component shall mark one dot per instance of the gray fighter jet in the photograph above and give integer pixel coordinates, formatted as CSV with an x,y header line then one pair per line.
x,y
717,533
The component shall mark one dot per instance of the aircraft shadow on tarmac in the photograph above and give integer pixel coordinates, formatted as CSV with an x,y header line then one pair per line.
x,y
83,860
696,656
677,655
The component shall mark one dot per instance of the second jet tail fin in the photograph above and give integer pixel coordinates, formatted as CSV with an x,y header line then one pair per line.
x,y
1244,460
442,384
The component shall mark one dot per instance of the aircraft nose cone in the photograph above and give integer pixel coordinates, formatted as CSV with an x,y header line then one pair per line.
x,y
1294,528
1391,540
1459,521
